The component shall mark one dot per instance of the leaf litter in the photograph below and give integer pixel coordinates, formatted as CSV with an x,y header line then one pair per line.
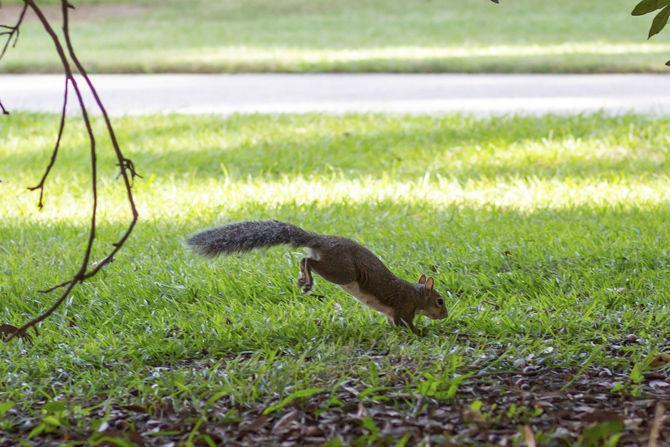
x,y
536,407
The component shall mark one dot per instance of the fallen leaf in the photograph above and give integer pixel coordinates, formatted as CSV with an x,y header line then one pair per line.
x,y
313,430
529,436
632,338
362,411
255,424
660,360
135,408
472,416
654,376
656,425
584,409
603,416
283,423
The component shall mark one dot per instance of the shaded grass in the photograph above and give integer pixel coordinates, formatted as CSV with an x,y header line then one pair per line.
x,y
548,235
352,36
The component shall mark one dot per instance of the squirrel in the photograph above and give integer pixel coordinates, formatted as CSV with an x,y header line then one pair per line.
x,y
341,261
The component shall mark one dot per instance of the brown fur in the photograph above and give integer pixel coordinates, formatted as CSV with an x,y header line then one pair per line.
x,y
338,260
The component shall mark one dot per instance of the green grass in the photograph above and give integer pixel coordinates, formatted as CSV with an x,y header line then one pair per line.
x,y
354,36
545,232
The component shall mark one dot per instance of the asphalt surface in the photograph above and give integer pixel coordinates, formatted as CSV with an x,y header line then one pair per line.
x,y
345,93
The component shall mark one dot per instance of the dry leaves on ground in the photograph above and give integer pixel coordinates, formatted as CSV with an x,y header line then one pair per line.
x,y
556,407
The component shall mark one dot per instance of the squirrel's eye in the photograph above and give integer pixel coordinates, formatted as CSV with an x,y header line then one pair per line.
x,y
440,302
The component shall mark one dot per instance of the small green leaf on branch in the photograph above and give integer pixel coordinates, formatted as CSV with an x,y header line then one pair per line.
x,y
660,21
647,6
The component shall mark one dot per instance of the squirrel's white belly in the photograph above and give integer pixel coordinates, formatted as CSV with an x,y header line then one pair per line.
x,y
366,298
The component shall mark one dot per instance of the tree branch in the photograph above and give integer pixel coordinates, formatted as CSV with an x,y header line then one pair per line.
x,y
126,166
127,169
12,32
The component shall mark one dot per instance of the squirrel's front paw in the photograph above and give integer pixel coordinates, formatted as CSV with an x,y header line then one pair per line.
x,y
305,285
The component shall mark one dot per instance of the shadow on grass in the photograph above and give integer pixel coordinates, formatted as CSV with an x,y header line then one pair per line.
x,y
455,147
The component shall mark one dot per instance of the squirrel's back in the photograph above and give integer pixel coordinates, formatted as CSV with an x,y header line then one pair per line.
x,y
248,235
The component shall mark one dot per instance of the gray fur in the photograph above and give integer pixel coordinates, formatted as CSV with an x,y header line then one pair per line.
x,y
246,236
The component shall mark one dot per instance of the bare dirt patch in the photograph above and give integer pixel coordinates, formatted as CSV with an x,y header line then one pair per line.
x,y
553,407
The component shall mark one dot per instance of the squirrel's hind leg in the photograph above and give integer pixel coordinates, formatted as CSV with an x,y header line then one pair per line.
x,y
334,268
305,279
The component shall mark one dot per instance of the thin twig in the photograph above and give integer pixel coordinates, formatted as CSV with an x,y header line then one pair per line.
x,y
54,154
13,31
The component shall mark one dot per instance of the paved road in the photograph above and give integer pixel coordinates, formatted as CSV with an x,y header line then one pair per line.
x,y
342,93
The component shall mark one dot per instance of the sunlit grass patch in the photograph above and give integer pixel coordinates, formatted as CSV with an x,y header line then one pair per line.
x,y
191,196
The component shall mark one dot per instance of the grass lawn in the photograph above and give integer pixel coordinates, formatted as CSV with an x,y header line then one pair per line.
x,y
548,236
349,36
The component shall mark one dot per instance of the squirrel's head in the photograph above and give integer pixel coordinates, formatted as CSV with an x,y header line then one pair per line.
x,y
433,304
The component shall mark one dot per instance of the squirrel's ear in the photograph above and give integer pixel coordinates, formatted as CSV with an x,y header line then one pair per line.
x,y
429,283
422,279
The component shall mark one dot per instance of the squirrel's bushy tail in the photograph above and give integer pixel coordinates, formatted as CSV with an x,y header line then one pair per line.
x,y
245,236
